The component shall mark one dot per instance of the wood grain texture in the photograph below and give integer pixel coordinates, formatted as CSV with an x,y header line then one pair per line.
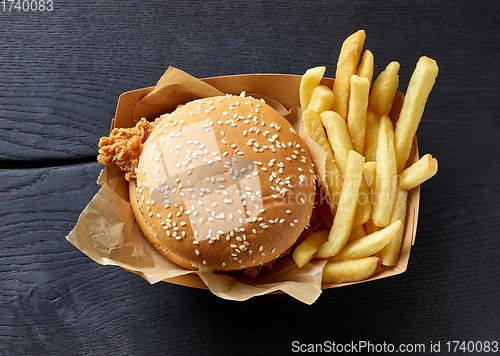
x,y
62,73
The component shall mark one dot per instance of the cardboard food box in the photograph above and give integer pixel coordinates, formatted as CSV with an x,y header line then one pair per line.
x,y
107,232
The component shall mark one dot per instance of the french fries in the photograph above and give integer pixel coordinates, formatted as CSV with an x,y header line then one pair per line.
x,y
311,123
389,255
383,90
371,136
356,117
347,66
420,86
365,68
344,217
420,171
386,177
307,248
350,271
357,232
368,245
338,137
322,99
367,132
370,174
397,104
309,81
341,144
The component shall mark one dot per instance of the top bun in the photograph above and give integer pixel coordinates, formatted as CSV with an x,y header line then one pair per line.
x,y
224,183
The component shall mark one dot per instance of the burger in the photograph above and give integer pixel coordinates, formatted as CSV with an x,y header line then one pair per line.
x,y
221,184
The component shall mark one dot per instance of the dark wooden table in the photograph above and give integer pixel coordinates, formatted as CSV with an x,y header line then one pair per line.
x,y
61,74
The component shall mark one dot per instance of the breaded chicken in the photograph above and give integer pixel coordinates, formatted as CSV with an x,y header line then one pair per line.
x,y
123,147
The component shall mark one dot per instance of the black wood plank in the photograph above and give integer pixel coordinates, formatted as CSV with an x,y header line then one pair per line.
x,y
62,71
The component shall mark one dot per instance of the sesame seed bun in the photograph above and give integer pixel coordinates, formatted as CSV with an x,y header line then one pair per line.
x,y
224,183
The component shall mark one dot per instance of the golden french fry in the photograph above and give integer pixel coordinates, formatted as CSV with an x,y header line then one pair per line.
x,y
308,82
322,99
341,144
370,174
350,271
386,179
356,117
368,245
344,218
346,66
420,171
357,232
338,136
307,248
365,68
371,136
383,90
364,208
420,85
311,123
397,104
389,255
